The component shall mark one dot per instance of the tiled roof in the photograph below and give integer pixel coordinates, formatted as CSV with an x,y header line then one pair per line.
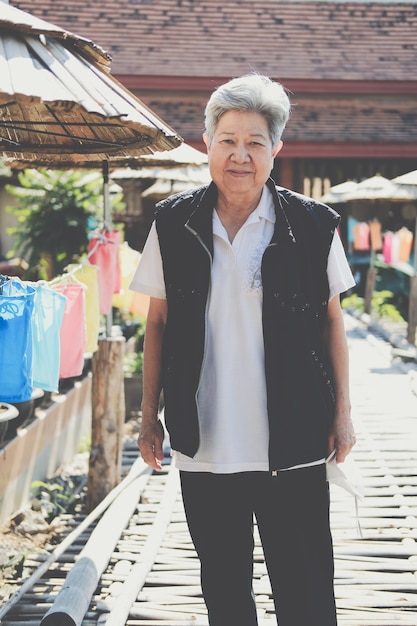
x,y
308,40
321,118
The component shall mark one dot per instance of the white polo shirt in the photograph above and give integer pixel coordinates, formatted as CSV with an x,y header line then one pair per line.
x,y
232,393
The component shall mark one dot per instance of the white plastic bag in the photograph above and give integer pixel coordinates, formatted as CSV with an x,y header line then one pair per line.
x,y
347,476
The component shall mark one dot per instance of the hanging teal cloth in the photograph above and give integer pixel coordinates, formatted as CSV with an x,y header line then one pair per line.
x,y
46,325
16,307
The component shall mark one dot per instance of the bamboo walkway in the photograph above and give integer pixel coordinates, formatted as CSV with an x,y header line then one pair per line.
x,y
151,575
376,574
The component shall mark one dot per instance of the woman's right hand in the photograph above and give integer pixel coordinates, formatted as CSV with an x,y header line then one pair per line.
x,y
150,440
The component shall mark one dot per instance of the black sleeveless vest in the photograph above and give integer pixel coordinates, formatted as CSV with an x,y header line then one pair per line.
x,y
295,297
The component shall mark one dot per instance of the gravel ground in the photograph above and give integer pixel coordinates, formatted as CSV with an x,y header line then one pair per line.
x,y
28,532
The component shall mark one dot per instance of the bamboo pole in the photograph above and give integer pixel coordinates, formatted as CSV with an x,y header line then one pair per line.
x,y
71,603
138,469
119,614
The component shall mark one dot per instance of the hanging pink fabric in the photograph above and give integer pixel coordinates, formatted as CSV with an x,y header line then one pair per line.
x,y
387,246
73,335
87,274
395,248
103,251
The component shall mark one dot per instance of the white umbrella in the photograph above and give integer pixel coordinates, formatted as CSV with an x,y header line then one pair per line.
x,y
182,155
184,163
163,188
380,188
337,193
406,179
196,175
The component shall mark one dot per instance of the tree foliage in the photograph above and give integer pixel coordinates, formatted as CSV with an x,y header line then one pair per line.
x,y
55,210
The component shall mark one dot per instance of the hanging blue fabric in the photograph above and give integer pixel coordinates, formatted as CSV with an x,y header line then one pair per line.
x,y
46,325
16,307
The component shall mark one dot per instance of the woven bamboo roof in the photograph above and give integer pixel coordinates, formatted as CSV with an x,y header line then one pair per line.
x,y
182,156
59,100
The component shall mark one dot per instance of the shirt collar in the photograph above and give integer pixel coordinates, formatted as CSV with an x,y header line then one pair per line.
x,y
265,210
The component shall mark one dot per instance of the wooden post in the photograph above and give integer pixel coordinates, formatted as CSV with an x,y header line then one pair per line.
x,y
108,416
412,311
369,288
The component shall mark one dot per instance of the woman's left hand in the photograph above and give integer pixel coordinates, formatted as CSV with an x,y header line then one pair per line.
x,y
342,438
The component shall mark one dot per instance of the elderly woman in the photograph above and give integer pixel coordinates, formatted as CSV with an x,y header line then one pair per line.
x,y
245,336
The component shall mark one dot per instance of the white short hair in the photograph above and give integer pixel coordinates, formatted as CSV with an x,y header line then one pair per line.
x,y
252,92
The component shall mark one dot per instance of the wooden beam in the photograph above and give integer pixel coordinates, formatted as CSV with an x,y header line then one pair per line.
x,y
340,150
208,83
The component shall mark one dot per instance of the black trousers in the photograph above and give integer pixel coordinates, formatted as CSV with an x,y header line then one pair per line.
x,y
292,514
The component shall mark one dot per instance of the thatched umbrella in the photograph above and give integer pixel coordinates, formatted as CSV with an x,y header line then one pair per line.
x,y
181,156
58,99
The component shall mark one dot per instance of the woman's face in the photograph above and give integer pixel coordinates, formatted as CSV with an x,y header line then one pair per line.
x,y
241,153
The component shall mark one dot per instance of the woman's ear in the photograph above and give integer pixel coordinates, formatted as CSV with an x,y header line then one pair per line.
x,y
277,148
206,141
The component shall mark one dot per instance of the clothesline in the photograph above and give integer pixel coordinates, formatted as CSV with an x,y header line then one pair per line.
x,y
47,328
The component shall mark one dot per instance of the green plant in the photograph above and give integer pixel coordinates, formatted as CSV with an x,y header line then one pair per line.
x,y
133,361
56,211
55,497
85,444
381,303
353,302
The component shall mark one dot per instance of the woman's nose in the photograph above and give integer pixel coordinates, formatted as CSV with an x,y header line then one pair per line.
x,y
240,154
